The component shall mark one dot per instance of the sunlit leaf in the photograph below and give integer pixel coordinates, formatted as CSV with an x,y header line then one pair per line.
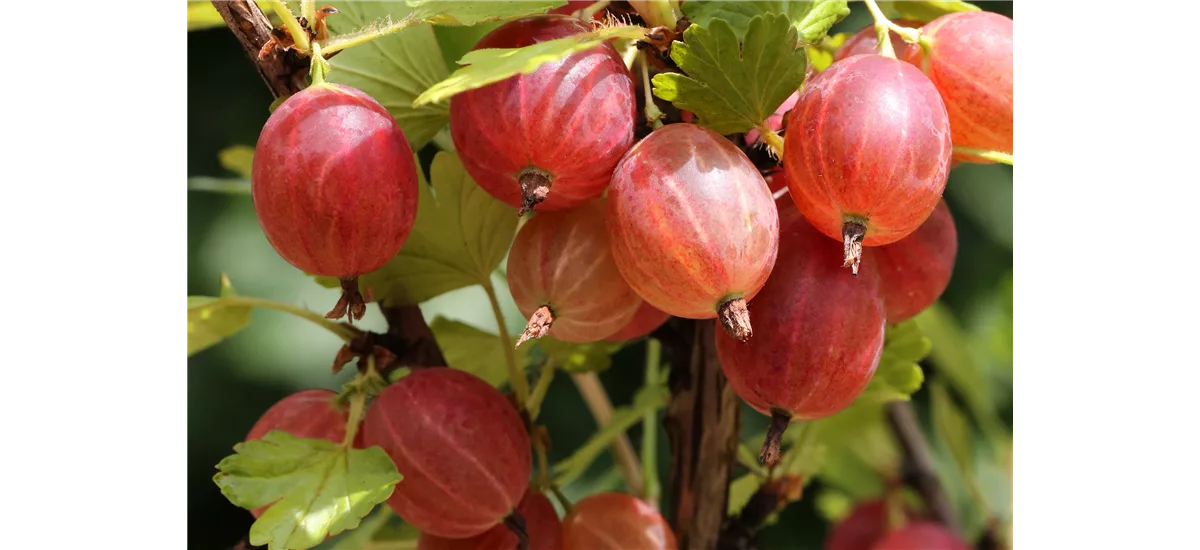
x,y
211,320
441,12
810,19
476,351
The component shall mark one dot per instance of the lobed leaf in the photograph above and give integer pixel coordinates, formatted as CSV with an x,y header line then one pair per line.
x,y
476,351
440,12
394,68
732,89
648,399
811,19
211,320
820,56
314,487
486,66
460,236
898,376
589,357
923,10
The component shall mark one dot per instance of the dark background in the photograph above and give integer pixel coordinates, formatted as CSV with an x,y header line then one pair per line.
x,y
231,384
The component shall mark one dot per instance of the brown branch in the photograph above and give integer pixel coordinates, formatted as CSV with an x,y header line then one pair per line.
x,y
283,72
702,422
773,496
919,462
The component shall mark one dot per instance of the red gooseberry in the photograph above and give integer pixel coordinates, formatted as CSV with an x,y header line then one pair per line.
x,y
694,228
563,277
914,271
867,152
821,335
308,414
460,446
542,526
924,535
970,61
866,524
549,138
334,186
616,521
645,320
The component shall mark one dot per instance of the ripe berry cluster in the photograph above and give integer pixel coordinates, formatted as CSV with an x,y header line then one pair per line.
x,y
626,233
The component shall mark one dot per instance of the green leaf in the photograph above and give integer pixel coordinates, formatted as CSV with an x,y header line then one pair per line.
x,y
229,186
810,19
834,505
381,530
475,351
732,90
393,69
923,10
440,12
951,426
589,357
490,65
238,159
741,490
460,236
898,376
457,41
649,398
315,487
211,320
820,57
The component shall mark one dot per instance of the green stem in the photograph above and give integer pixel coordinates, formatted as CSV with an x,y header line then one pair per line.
x,y
994,156
596,399
342,331
651,486
319,67
341,42
358,402
293,25
308,10
516,378
653,115
534,405
883,25
772,139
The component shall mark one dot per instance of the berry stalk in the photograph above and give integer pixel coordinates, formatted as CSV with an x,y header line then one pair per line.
x,y
299,36
516,378
770,453
994,156
651,487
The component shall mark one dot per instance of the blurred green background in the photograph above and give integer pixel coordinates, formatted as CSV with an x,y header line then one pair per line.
x,y
233,383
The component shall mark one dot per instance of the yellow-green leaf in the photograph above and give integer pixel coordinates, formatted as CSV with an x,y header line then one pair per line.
x,y
730,88
440,12
460,236
476,351
483,67
812,19
923,10
211,320
394,68
589,357
314,487
238,159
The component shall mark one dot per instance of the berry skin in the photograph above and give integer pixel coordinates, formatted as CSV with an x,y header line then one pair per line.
x,y
693,226
541,524
334,186
971,64
562,276
914,271
616,521
865,525
645,320
867,152
820,336
309,414
460,445
866,41
550,138
924,535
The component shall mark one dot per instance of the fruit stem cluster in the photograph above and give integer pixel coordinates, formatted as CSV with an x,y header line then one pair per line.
x,y
651,487
883,25
320,67
299,36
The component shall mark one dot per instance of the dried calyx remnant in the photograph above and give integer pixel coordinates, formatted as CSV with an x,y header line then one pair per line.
x,y
735,318
539,325
770,452
853,232
352,300
535,185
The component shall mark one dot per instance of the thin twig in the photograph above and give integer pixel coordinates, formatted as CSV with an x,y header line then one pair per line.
x,y
602,410
919,459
